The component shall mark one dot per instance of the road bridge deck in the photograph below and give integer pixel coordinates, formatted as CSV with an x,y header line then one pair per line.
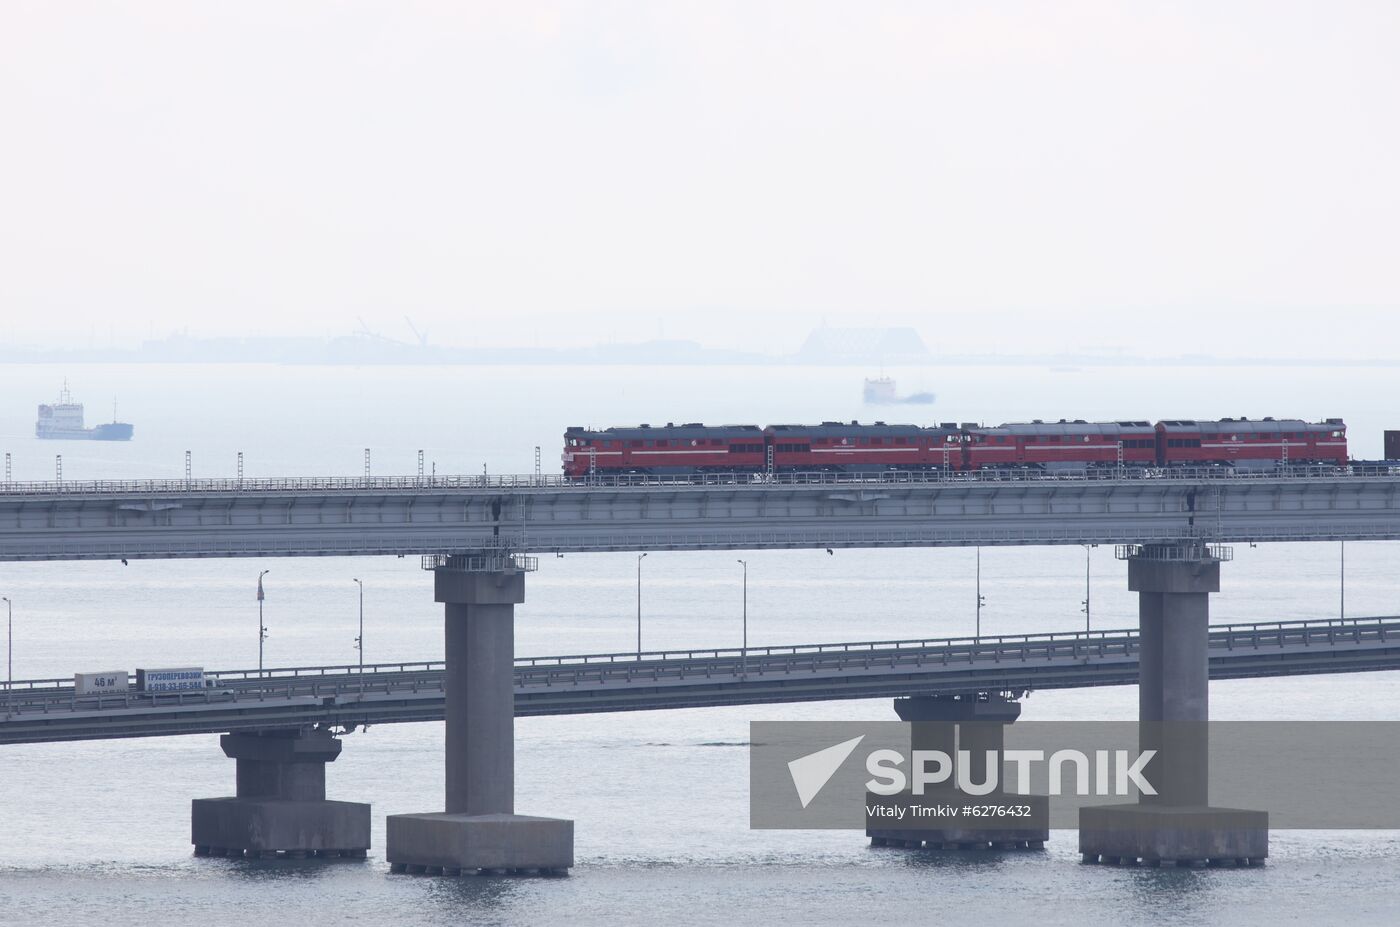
x,y
240,700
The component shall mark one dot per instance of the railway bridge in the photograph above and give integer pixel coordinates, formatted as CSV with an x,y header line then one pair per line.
x,y
410,516
477,536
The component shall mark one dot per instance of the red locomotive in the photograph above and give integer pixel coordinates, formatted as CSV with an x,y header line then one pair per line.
x,y
1062,445
674,449
1243,442
855,448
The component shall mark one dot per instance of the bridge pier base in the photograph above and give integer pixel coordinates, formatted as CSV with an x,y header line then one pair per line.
x,y
280,807
974,724
1178,824
479,830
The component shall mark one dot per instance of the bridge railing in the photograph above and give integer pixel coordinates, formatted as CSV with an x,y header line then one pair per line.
x,y
1219,633
417,679
449,483
389,698
576,669
1007,649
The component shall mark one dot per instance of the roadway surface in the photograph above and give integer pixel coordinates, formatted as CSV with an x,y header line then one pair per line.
x,y
49,710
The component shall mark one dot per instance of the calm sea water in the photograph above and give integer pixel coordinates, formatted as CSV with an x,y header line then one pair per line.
x,y
98,832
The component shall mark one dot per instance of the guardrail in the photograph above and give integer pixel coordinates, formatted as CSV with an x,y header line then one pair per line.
x,y
389,693
1011,647
481,563
1173,553
418,484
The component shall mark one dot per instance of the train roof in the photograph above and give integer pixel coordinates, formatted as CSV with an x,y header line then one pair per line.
x,y
1065,427
853,430
669,430
1247,426
856,429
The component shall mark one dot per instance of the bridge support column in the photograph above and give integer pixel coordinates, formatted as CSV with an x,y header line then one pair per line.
x,y
281,806
1177,824
479,830
963,727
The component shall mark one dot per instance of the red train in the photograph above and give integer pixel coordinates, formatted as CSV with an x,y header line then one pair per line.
x,y
855,448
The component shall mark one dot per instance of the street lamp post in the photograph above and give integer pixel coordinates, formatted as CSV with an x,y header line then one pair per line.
x,y
981,600
9,651
639,605
360,641
262,628
1087,548
744,652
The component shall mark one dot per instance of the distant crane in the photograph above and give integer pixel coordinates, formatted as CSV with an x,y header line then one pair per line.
x,y
365,330
421,336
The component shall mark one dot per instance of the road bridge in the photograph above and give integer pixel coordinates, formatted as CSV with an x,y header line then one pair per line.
x,y
49,710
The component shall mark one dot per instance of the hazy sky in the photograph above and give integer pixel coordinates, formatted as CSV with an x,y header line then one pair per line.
x,y
1220,177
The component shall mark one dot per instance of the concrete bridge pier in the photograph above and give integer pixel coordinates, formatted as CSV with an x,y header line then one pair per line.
x,y
479,830
970,724
1178,824
280,808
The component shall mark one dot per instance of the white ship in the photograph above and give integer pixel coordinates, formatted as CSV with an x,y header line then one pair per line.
x,y
63,420
881,391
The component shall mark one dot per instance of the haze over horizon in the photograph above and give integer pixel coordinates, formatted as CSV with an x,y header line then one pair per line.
x,y
1023,178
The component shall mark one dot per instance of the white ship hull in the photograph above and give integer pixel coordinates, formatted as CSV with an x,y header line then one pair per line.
x,y
63,421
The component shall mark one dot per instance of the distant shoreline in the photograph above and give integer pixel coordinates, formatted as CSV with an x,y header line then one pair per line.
x,y
336,353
